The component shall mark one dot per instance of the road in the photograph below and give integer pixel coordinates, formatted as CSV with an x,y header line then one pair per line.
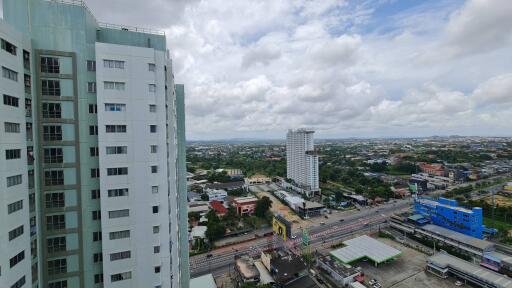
x,y
221,260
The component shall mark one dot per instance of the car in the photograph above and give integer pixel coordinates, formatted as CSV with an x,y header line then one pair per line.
x,y
326,217
294,236
322,223
373,281
459,283
341,220
376,285
320,280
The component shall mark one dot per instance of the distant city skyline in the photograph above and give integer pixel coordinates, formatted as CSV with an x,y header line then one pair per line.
x,y
254,69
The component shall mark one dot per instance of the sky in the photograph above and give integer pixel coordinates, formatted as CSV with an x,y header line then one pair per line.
x,y
365,68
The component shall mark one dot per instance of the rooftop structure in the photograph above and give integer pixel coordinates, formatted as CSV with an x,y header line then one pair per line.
x,y
205,281
443,264
246,270
226,186
218,207
446,213
284,267
245,205
343,274
458,238
365,247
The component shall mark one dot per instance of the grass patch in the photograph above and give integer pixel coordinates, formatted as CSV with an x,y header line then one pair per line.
x,y
500,225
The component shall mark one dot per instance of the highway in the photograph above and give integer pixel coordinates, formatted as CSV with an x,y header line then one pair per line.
x,y
222,259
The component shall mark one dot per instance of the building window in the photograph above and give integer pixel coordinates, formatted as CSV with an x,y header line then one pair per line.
x,y
50,65
115,128
93,109
95,173
121,276
117,150
11,101
95,194
94,151
53,178
116,64
53,155
11,154
118,192
15,206
14,180
15,233
57,266
91,87
27,81
120,255
109,85
151,67
154,169
56,244
154,189
96,215
52,133
152,128
152,108
156,229
114,107
97,257
91,65
118,213
98,278
55,222
119,234
11,127
157,269
93,130
155,209
8,47
54,200
152,88
154,148
117,171
156,249
17,258
20,283
52,110
96,236
10,74
26,60
50,87
58,284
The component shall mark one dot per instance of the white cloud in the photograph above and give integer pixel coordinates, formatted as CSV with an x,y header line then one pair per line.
x,y
255,68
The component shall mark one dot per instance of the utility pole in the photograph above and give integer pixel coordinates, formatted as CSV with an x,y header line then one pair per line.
x,y
493,206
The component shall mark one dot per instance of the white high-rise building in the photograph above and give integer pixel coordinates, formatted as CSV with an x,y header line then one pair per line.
x,y
15,249
302,161
92,152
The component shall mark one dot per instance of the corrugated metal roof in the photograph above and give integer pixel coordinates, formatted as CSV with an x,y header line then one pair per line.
x,y
463,238
365,246
444,260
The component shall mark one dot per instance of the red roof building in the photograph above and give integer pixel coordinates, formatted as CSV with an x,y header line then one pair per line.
x,y
244,205
432,169
220,210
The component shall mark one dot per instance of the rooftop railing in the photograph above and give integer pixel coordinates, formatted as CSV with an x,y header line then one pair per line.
x,y
131,28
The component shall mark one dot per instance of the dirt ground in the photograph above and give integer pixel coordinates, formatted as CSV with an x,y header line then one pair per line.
x,y
501,201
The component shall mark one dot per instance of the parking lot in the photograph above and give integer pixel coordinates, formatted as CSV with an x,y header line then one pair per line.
x,y
407,271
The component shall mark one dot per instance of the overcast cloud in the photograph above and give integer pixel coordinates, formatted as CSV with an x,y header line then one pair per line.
x,y
255,68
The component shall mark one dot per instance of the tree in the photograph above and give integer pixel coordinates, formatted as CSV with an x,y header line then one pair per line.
x,y
262,206
215,230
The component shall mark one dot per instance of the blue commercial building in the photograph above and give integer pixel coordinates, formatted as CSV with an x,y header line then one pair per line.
x,y
446,213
